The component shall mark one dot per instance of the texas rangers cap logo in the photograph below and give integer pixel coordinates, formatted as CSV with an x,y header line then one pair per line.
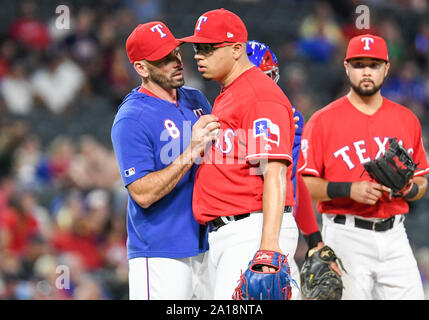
x,y
367,41
367,46
158,28
267,129
199,22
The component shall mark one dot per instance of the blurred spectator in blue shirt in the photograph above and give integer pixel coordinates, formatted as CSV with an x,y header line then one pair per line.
x,y
421,44
146,10
407,88
319,34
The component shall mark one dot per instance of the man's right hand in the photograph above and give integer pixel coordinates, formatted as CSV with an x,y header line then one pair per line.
x,y
367,192
204,132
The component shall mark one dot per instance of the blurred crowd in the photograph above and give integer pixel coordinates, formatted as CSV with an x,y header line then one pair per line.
x,y
60,207
62,202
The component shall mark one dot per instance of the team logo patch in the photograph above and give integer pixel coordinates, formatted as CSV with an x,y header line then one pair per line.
x,y
268,130
130,172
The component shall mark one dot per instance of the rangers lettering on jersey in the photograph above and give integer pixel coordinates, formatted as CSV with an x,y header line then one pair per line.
x,y
227,145
224,151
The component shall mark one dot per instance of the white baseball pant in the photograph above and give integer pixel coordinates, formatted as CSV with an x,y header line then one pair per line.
x,y
169,279
380,264
233,246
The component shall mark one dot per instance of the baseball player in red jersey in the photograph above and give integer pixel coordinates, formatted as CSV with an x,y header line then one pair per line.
x,y
360,221
243,188
264,58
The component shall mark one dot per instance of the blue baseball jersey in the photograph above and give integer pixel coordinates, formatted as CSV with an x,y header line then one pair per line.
x,y
295,153
149,133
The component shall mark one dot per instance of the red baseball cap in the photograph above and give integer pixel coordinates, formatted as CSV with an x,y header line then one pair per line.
x,y
367,46
218,26
150,41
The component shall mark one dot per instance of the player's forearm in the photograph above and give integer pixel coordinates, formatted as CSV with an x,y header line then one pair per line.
x,y
156,185
422,184
305,217
274,197
317,188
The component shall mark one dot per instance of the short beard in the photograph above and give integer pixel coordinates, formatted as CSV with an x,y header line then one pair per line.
x,y
366,92
165,82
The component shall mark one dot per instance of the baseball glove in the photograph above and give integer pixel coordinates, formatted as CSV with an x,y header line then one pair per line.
x,y
255,284
394,169
318,280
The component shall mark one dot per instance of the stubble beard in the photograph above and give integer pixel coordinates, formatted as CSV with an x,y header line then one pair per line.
x,y
366,92
164,81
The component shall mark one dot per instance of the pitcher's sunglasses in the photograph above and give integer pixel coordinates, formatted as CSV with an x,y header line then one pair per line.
x,y
208,48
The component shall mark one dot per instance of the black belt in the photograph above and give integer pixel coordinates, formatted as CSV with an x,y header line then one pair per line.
x,y
218,222
215,224
369,225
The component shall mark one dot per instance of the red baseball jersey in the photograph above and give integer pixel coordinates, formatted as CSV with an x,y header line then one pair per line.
x,y
256,123
339,138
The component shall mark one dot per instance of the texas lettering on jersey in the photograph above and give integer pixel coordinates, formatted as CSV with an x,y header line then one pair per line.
x,y
359,148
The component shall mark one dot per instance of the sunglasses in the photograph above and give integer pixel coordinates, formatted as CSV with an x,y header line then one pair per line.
x,y
209,48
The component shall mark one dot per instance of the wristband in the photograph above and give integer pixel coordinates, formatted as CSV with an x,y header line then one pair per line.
x,y
413,192
338,189
313,239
